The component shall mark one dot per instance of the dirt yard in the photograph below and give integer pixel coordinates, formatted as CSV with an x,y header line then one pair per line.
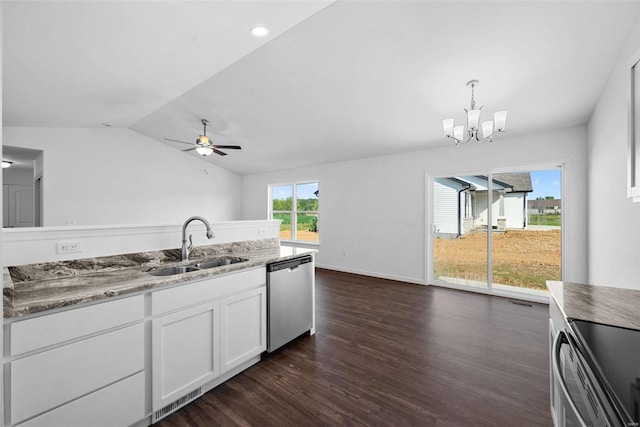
x,y
306,235
520,257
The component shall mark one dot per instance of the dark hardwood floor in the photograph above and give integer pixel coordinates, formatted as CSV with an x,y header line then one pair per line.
x,y
391,353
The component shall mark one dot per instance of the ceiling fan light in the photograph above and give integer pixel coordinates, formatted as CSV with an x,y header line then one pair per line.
x,y
204,151
203,140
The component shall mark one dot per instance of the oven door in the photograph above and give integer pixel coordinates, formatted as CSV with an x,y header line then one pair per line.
x,y
580,401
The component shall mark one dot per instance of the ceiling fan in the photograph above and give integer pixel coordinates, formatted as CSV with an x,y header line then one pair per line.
x,y
204,146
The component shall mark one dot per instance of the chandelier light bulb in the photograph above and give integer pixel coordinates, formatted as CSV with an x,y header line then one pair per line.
x,y
473,117
500,117
447,125
487,128
458,132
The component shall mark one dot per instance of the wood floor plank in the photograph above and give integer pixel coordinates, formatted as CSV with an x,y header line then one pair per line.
x,y
392,353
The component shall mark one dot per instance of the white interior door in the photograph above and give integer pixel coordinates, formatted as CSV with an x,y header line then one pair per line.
x,y
19,201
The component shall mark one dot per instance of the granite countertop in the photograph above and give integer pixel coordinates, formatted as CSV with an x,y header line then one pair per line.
x,y
39,287
600,304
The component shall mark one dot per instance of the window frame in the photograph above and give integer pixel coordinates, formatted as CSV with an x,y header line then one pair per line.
x,y
294,209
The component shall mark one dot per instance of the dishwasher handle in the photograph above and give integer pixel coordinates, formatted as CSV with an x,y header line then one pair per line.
x,y
291,264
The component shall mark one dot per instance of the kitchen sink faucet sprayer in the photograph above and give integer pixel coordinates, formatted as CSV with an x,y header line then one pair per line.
x,y
186,249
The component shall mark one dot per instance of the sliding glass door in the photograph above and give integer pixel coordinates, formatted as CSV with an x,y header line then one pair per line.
x,y
499,232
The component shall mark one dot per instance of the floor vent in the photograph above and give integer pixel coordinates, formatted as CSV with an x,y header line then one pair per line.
x,y
522,303
161,413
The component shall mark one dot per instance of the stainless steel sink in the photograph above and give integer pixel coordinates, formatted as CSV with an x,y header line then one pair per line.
x,y
171,271
218,262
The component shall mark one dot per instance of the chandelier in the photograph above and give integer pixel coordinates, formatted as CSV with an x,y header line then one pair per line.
x,y
489,128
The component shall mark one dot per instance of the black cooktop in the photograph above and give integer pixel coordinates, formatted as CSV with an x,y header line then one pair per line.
x,y
616,353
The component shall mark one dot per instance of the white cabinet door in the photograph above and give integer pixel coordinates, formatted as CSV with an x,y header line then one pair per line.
x,y
243,327
185,347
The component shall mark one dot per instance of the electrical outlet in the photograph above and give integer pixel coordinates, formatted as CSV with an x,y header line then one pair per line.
x,y
69,246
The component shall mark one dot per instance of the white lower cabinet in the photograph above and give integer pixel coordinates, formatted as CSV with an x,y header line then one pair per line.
x,y
184,352
79,380
195,346
133,360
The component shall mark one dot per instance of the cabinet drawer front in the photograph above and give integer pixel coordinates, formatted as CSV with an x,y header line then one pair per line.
x,y
32,334
54,377
198,292
120,404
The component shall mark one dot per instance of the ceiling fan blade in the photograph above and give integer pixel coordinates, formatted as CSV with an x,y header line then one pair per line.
x,y
189,149
228,147
219,152
175,140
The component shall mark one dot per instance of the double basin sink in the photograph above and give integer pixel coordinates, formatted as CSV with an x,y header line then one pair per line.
x,y
172,271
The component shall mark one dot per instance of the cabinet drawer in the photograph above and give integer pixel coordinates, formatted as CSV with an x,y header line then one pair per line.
x,y
198,292
120,404
32,334
54,377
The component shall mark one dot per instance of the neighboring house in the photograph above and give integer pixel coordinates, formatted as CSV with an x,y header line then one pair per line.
x,y
546,206
460,203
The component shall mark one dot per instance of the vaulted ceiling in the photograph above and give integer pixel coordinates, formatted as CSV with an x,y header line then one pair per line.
x,y
332,81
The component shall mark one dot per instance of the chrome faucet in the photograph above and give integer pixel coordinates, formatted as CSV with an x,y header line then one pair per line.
x,y
186,249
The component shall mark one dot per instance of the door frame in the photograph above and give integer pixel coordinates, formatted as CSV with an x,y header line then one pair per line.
x,y
429,237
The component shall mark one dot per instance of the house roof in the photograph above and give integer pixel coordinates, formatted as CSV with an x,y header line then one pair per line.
x,y
519,182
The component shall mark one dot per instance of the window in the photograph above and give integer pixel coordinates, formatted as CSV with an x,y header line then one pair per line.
x,y
297,206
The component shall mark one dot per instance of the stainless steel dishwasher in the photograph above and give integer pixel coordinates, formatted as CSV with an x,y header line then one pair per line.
x,y
289,300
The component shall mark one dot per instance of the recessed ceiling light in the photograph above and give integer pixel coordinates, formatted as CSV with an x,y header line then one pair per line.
x,y
6,164
259,31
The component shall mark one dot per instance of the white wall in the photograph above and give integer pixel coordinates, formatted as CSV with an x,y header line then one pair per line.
x,y
372,211
614,221
99,176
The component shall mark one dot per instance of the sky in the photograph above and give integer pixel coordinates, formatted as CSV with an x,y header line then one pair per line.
x,y
305,191
546,183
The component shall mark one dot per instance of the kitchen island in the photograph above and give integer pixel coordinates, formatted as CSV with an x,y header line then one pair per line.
x,y
35,288
89,335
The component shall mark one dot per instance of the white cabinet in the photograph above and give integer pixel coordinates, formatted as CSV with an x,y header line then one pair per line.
x,y
133,360
66,368
243,327
184,348
203,330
